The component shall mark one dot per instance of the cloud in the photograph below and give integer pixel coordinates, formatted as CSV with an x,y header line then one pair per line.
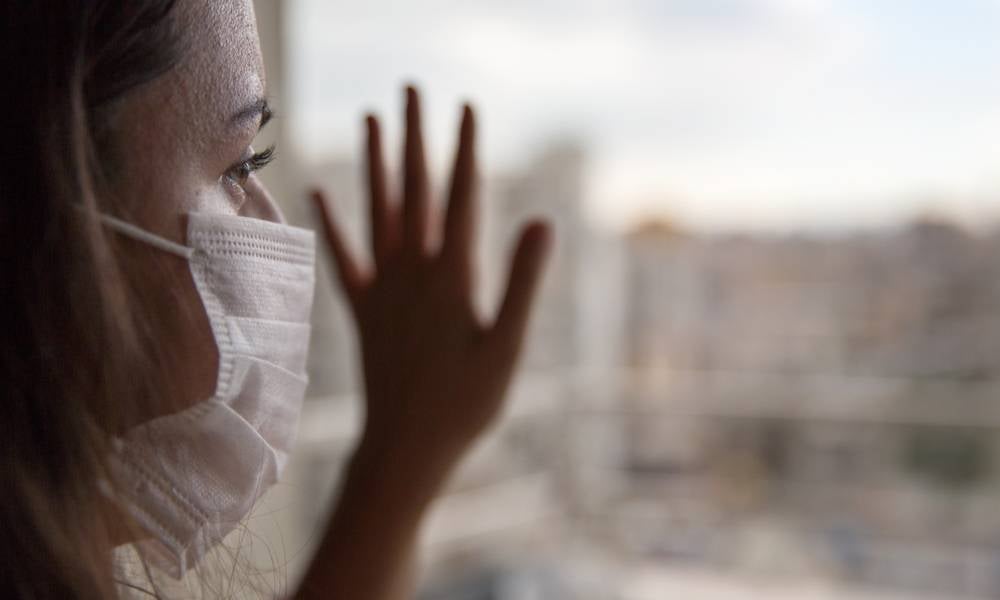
x,y
588,61
799,104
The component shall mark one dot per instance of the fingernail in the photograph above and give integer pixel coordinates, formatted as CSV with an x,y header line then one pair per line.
x,y
546,240
542,232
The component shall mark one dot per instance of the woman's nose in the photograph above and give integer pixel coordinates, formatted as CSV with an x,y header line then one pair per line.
x,y
259,203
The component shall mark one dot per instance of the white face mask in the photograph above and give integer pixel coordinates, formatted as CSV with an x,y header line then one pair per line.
x,y
191,477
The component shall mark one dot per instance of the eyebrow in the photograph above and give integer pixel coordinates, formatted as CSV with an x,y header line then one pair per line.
x,y
258,108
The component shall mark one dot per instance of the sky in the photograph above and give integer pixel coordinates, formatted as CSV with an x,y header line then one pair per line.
x,y
718,114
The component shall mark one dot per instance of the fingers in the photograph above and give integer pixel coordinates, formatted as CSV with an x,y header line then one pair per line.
x,y
351,278
384,232
525,274
415,187
461,217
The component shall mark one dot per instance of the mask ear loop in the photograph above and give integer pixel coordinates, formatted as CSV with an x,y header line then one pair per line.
x,y
141,235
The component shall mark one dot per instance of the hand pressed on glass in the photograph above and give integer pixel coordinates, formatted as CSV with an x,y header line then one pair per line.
x,y
435,372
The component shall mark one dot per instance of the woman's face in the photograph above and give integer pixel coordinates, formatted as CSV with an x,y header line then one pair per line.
x,y
184,141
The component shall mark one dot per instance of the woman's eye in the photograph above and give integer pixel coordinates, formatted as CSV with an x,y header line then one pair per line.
x,y
240,172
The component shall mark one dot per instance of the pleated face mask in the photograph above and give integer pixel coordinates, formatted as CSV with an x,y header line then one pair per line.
x,y
191,477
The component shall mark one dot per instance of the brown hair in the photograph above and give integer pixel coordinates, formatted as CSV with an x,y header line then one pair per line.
x,y
75,364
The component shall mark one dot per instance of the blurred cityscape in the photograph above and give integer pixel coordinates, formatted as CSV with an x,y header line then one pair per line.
x,y
710,415
818,410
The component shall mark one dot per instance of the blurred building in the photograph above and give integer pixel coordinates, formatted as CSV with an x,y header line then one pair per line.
x,y
815,406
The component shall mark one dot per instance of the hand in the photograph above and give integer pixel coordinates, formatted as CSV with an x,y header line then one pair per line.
x,y
435,373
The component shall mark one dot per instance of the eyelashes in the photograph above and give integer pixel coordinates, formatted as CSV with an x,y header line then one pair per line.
x,y
240,172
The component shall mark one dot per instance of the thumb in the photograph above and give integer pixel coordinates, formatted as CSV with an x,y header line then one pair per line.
x,y
522,284
351,278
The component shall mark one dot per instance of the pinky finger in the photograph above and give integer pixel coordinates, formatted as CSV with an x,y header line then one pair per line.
x,y
525,273
351,278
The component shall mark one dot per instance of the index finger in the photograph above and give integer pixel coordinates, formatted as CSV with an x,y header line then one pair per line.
x,y
383,217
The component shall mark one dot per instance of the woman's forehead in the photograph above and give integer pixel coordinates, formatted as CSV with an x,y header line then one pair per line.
x,y
222,69
173,124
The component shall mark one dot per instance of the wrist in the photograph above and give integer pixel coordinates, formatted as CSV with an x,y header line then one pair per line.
x,y
407,474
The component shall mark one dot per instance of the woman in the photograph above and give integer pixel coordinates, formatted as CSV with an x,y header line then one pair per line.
x,y
157,306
